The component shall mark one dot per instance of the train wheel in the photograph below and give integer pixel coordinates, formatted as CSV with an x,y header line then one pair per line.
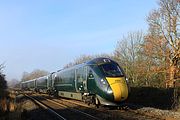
x,y
97,103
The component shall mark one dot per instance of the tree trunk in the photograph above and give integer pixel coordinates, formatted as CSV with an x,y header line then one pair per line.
x,y
172,75
173,69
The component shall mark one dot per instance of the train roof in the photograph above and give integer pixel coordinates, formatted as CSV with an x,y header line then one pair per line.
x,y
99,61
95,61
28,81
34,79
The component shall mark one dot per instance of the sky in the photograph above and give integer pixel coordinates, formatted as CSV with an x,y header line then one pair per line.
x,y
48,34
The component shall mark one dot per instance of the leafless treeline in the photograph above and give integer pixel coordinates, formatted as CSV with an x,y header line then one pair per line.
x,y
3,83
151,59
34,74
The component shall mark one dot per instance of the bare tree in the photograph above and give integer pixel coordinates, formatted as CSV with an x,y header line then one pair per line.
x,y
13,83
164,25
85,58
34,74
82,59
79,60
25,76
127,55
3,83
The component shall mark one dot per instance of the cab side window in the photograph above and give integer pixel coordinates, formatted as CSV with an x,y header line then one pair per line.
x,y
80,75
82,78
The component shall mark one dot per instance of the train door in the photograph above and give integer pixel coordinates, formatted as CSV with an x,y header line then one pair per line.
x,y
75,80
81,79
85,78
35,85
53,76
49,81
90,80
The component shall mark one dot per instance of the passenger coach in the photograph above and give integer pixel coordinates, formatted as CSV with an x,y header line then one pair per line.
x,y
99,81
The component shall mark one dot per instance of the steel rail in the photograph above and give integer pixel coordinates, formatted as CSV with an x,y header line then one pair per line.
x,y
65,106
47,108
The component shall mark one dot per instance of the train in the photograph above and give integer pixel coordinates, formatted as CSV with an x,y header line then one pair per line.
x,y
100,81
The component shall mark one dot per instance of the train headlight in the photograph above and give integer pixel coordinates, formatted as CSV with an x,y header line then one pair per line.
x,y
103,82
105,86
109,90
127,80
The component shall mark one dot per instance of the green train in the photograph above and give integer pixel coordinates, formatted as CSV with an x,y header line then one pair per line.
x,y
100,81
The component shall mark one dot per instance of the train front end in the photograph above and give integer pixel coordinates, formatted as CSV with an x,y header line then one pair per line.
x,y
112,84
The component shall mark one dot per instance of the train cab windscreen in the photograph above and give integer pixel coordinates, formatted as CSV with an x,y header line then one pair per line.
x,y
112,70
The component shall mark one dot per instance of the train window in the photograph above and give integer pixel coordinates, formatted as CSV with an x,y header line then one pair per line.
x,y
82,74
71,75
85,72
56,79
90,75
66,76
111,70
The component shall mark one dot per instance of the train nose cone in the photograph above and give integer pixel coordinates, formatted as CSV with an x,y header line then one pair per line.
x,y
119,88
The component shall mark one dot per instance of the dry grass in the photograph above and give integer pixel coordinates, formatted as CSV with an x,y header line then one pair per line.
x,y
9,109
3,104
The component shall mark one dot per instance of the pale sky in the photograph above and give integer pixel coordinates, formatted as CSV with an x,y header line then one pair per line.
x,y
48,34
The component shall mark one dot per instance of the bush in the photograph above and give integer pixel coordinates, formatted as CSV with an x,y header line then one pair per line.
x,y
152,97
3,86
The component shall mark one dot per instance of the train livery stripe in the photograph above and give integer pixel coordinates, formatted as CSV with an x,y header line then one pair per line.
x,y
63,84
119,88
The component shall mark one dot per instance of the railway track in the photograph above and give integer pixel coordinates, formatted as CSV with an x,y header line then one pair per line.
x,y
47,108
131,112
62,111
128,112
